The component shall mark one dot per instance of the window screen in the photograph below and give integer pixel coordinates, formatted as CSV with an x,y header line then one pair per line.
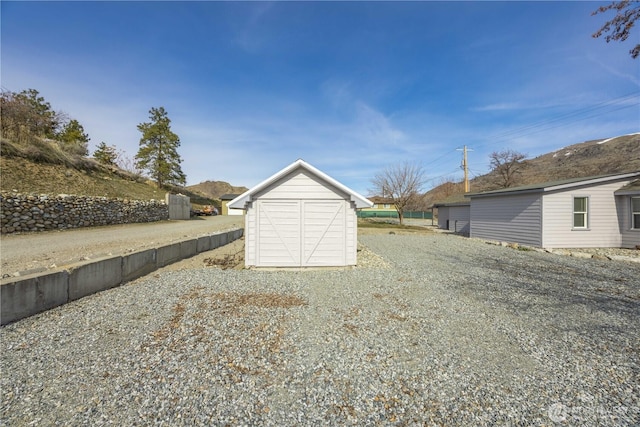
x,y
580,205
635,213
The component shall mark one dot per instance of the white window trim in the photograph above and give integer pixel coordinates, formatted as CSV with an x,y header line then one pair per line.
x,y
632,212
586,214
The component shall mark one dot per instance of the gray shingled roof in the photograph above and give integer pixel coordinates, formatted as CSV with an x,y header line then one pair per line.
x,y
551,184
632,187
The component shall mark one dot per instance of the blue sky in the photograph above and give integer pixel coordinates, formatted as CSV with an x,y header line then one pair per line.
x,y
350,87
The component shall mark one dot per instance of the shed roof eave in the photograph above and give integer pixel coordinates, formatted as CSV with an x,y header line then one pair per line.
x,y
627,192
439,205
241,201
506,192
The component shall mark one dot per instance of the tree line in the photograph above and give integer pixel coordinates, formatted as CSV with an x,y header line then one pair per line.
x,y
26,117
403,182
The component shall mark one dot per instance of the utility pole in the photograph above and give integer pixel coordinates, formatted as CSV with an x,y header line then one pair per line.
x,y
466,170
465,167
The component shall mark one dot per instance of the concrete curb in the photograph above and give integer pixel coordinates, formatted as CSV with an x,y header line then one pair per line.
x,y
25,296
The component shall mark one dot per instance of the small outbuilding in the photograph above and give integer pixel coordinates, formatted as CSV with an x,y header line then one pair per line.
x,y
300,217
454,214
224,201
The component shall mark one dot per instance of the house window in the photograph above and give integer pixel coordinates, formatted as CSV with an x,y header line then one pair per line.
x,y
387,206
580,211
635,213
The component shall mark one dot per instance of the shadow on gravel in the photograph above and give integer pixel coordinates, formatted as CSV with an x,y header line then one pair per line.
x,y
563,284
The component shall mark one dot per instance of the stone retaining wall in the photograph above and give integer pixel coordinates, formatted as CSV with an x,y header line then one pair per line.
x,y
29,212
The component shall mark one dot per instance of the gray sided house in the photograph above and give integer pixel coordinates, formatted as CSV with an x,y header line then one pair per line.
x,y
630,210
454,215
300,217
601,211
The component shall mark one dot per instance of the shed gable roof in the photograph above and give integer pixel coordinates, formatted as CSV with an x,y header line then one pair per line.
x,y
228,196
241,201
557,185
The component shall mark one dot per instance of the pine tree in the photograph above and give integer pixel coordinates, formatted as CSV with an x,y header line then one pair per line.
x,y
158,149
72,138
106,154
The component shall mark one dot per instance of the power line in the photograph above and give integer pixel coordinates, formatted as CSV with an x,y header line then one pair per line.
x,y
443,175
564,119
599,109
440,158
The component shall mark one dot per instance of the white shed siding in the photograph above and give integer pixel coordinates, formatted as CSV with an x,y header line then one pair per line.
x,y
516,218
602,217
235,212
351,227
300,220
300,185
323,232
250,233
459,219
293,233
278,239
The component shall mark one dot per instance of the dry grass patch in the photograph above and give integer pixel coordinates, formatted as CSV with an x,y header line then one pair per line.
x,y
227,261
261,300
373,226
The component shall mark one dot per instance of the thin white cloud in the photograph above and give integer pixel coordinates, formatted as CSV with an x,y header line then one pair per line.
x,y
374,127
633,78
249,37
502,106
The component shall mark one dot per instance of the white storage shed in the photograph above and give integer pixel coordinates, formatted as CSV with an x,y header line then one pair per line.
x,y
300,217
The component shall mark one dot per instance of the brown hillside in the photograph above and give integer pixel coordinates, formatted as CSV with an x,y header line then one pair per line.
x,y
26,176
215,189
598,157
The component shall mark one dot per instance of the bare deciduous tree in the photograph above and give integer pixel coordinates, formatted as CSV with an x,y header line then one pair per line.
x,y
508,164
26,114
402,183
129,164
619,28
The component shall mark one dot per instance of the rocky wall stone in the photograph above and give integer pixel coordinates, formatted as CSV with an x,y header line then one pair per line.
x,y
30,212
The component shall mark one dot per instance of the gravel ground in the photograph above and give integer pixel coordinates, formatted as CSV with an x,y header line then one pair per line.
x,y
433,329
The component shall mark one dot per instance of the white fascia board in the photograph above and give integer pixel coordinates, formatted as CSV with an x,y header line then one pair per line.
x,y
241,201
593,181
359,200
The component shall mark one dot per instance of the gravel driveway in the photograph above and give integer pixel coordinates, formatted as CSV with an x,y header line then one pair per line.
x,y
35,252
442,330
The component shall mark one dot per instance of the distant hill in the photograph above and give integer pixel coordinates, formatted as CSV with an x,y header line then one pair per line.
x,y
215,189
591,158
40,168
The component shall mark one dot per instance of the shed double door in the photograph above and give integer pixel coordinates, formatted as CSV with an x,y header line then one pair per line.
x,y
301,233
